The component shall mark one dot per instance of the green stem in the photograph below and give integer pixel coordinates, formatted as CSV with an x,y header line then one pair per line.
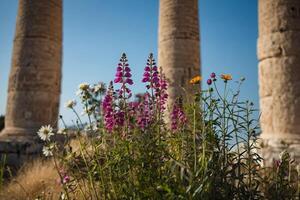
x,y
78,117
194,138
60,176
224,128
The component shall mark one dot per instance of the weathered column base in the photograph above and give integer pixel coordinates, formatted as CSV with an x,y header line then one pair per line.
x,y
272,147
18,133
16,149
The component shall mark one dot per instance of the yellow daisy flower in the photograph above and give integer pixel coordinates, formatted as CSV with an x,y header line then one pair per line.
x,y
195,80
226,77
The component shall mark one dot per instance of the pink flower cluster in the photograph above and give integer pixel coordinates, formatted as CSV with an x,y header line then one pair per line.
x,y
151,73
161,93
178,118
64,177
118,111
123,76
156,82
145,112
211,79
108,108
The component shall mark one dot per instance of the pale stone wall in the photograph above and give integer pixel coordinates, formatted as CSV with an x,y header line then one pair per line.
x,y
279,75
35,76
178,45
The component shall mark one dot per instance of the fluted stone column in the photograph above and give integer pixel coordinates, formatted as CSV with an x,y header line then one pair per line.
x,y
35,76
178,45
279,75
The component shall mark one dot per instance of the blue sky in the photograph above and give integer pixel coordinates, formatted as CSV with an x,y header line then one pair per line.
x,y
96,32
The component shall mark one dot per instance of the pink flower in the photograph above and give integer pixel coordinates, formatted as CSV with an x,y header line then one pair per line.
x,y
155,80
108,110
151,73
146,74
127,74
66,179
209,81
145,112
178,118
157,83
118,80
127,69
147,69
161,93
213,75
119,74
145,80
123,76
120,118
129,81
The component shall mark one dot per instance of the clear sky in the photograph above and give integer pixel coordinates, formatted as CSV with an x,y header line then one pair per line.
x,y
96,32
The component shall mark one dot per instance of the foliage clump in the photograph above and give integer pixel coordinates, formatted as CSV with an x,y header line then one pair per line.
x,y
204,148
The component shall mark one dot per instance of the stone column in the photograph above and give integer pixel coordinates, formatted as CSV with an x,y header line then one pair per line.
x,y
279,75
35,76
178,45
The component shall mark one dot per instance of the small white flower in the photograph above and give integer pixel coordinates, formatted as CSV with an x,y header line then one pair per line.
x,y
63,196
95,127
100,87
91,128
62,131
45,132
83,86
78,93
70,104
86,110
48,150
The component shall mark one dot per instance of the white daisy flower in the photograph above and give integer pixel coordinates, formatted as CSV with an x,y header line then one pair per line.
x,y
48,150
45,132
83,86
70,104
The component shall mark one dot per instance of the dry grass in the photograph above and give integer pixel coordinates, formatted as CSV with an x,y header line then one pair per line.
x,y
38,178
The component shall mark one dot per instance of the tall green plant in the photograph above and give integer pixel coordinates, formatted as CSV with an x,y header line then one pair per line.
x,y
126,149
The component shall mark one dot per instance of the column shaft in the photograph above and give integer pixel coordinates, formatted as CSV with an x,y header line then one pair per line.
x,y
35,76
279,74
178,47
